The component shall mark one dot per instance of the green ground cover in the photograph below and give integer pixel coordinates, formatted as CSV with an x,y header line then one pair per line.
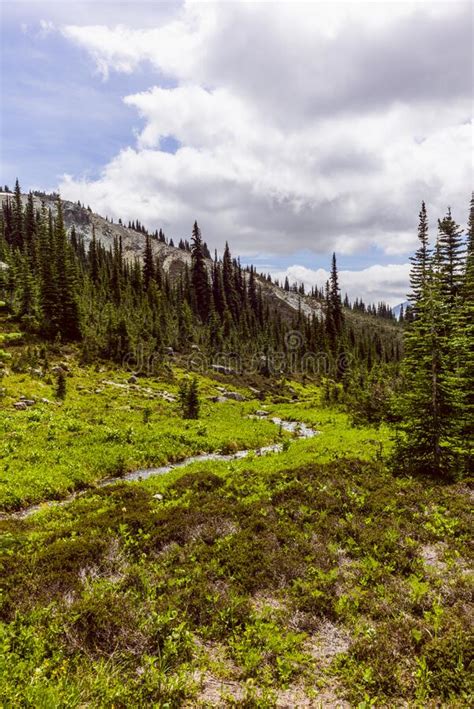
x,y
302,578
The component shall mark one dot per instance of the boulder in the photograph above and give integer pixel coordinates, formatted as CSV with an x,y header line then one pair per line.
x,y
235,396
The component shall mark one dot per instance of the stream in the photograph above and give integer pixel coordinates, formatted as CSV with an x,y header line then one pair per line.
x,y
300,430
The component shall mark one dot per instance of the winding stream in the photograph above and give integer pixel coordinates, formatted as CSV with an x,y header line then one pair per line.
x,y
300,430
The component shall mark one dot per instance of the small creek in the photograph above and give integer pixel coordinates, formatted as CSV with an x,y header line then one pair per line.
x,y
300,430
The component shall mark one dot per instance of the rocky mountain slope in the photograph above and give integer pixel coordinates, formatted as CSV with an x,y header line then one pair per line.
x,y
173,259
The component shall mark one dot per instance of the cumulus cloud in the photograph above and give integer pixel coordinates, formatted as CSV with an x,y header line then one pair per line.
x,y
314,126
373,284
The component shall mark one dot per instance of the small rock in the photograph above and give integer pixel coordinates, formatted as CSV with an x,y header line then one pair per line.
x,y
45,401
195,348
97,391
133,379
261,413
158,496
235,396
219,399
37,373
169,351
20,405
222,370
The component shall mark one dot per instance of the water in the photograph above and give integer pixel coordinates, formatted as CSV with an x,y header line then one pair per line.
x,y
300,430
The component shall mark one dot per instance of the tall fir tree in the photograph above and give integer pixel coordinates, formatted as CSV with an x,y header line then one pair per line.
x,y
199,276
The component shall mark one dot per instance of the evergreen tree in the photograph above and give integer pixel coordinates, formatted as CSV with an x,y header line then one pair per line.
x,y
17,218
61,385
428,403
199,277
451,256
335,297
421,260
68,308
148,264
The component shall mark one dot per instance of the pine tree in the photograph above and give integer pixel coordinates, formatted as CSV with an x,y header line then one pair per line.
x,y
421,260
148,264
199,277
335,297
464,343
451,256
17,218
68,308
49,296
61,385
189,398
428,403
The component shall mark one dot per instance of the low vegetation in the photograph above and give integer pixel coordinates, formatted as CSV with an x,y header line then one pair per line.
x,y
327,570
305,576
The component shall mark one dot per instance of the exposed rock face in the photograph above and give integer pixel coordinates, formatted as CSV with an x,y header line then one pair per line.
x,y
173,259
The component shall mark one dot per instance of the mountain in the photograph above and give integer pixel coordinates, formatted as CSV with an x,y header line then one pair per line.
x,y
396,310
173,259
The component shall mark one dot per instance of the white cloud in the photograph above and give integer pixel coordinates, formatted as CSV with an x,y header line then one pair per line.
x,y
301,125
373,284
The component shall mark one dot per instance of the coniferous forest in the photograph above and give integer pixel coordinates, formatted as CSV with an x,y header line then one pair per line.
x,y
222,490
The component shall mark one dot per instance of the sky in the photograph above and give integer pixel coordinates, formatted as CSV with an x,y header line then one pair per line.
x,y
289,129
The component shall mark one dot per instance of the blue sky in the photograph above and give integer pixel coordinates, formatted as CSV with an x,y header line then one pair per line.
x,y
58,115
170,112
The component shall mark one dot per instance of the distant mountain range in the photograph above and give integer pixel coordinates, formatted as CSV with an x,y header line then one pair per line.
x,y
397,308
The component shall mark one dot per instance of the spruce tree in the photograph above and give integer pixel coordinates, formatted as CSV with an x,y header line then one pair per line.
x,y
335,297
451,250
148,264
428,402
68,308
464,342
199,277
421,260
17,218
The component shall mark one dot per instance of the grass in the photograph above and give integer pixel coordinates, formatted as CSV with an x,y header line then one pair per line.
x,y
101,431
305,576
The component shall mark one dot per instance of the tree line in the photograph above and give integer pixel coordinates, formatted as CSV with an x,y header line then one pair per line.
x,y
60,287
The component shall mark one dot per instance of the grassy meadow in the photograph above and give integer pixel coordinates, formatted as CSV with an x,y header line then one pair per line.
x,y
310,577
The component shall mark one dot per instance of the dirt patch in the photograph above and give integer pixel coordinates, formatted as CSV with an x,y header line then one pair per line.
x,y
430,555
299,696
328,641
261,602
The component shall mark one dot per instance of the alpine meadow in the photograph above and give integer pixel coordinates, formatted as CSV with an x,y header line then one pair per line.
x,y
236,355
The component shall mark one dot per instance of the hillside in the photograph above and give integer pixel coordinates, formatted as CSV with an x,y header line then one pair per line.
x,y
173,260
